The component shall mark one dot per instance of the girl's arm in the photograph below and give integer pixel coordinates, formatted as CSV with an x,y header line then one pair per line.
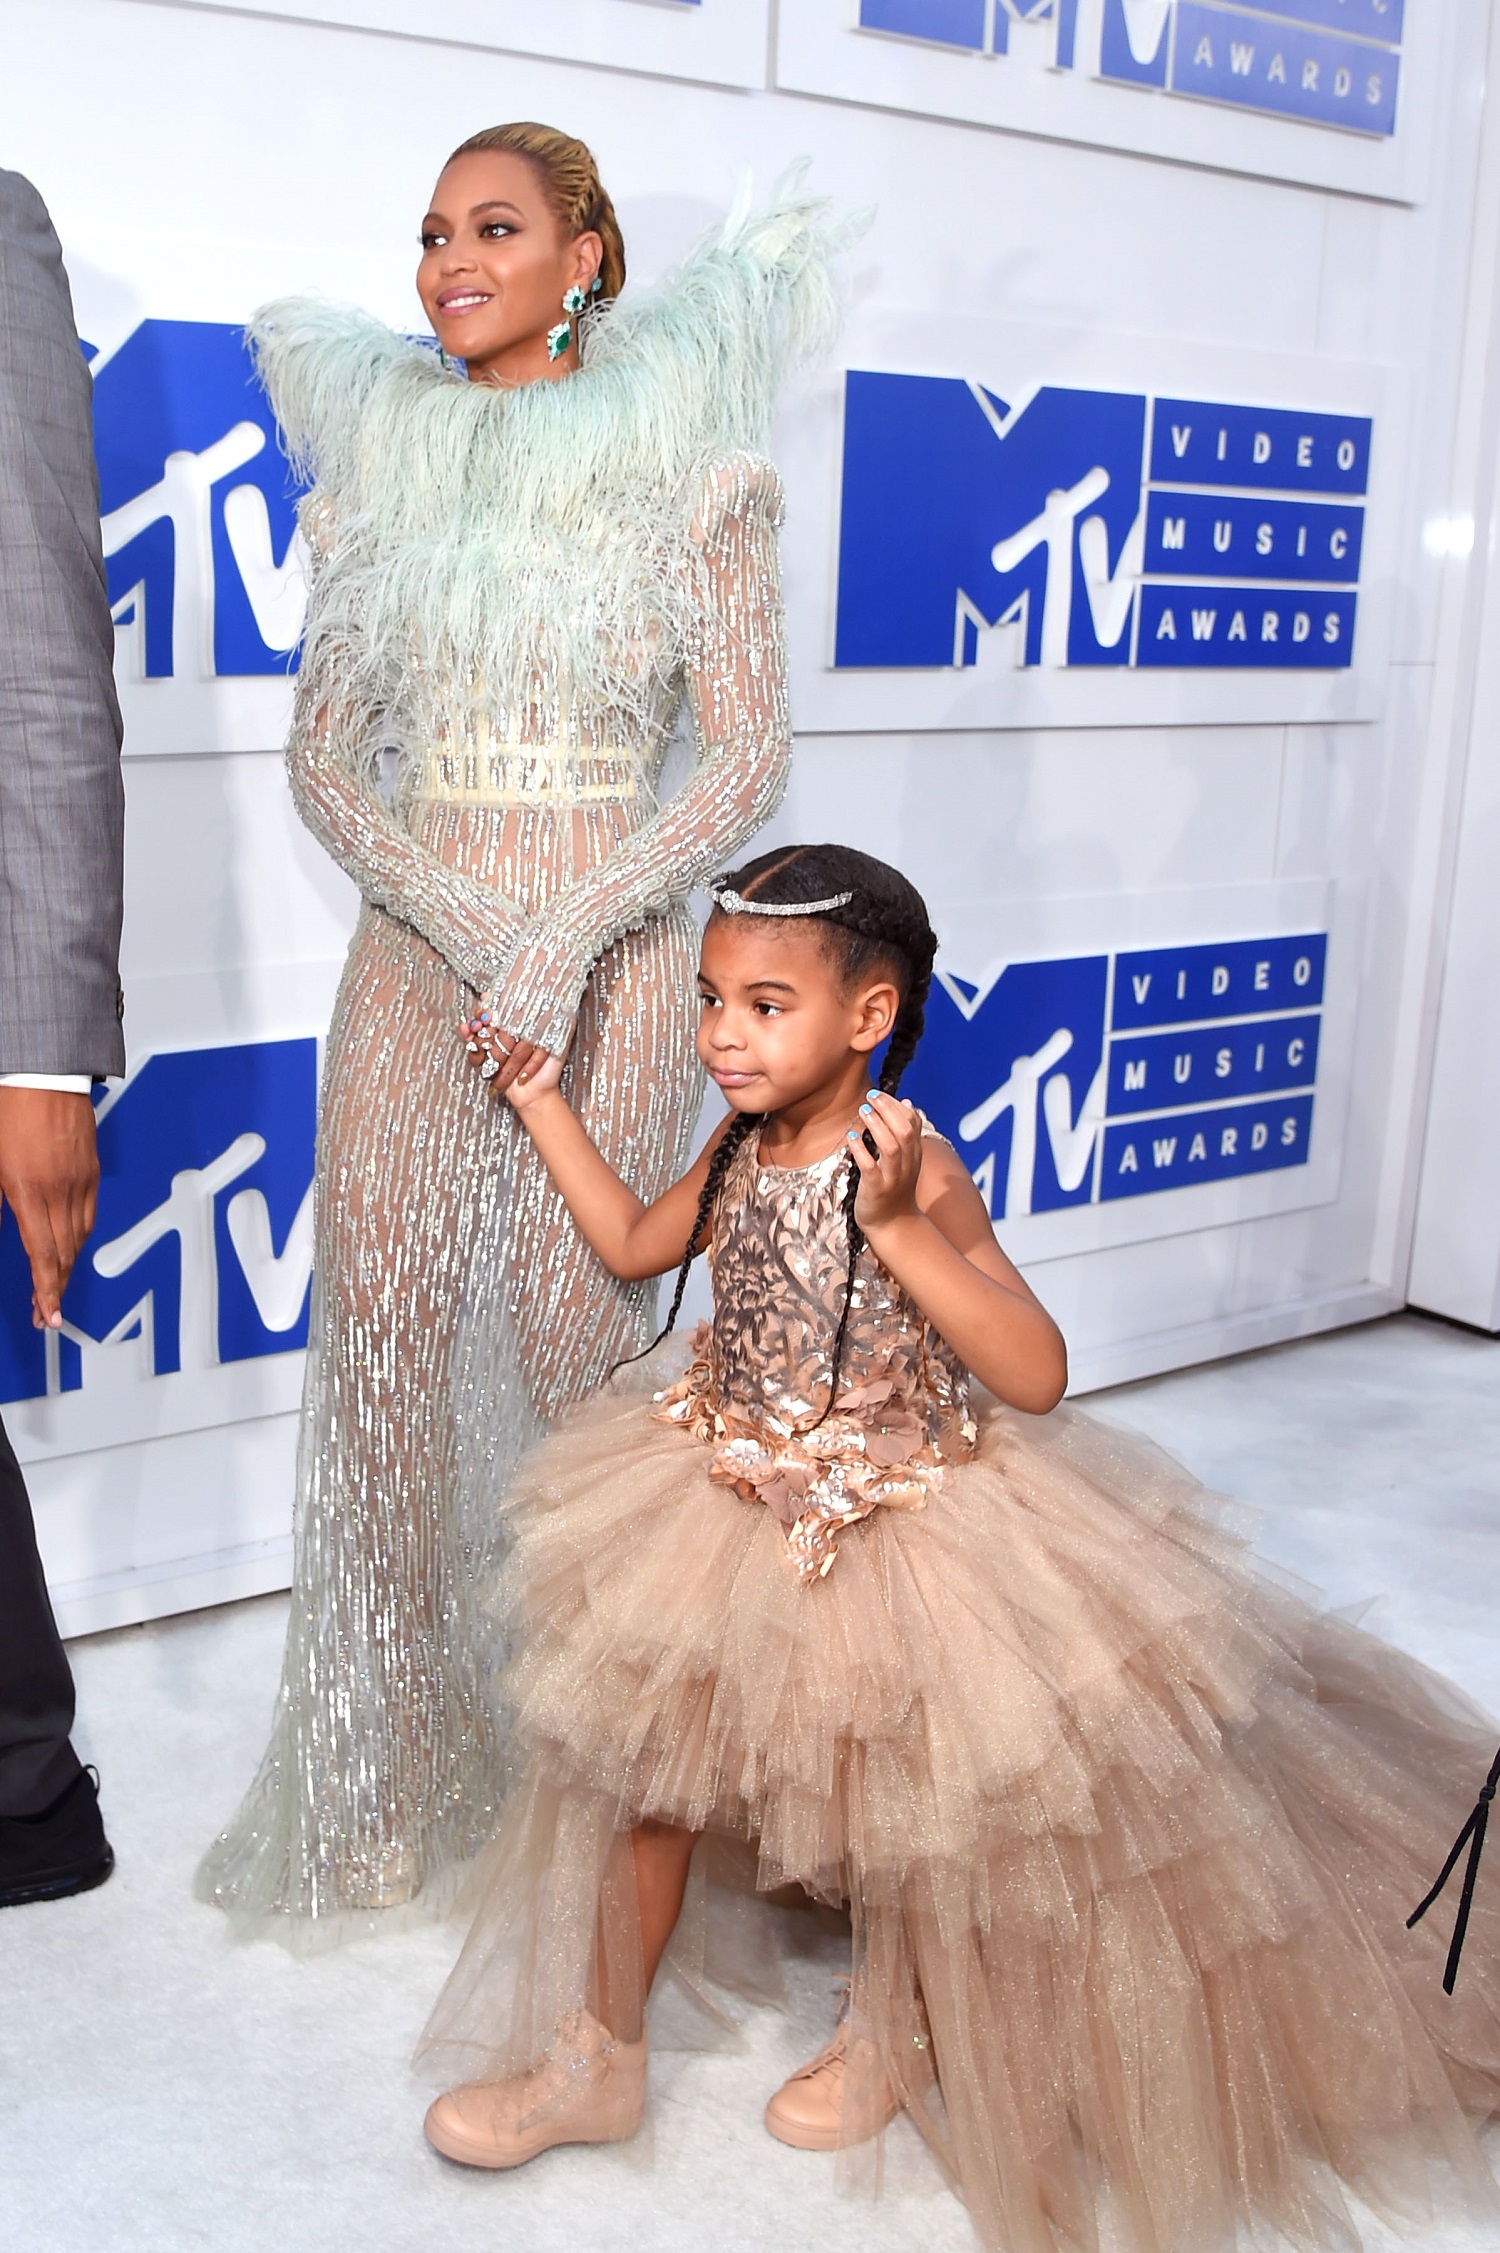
x,y
633,1239
926,1223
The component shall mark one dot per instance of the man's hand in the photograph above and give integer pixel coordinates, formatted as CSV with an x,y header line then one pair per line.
x,y
49,1176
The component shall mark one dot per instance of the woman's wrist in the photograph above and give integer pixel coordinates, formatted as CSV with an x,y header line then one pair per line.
x,y
538,994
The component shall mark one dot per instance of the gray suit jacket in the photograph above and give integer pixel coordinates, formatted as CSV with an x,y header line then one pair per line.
x,y
61,796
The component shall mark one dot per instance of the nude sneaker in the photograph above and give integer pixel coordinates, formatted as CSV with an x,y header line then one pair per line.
x,y
589,2089
841,2097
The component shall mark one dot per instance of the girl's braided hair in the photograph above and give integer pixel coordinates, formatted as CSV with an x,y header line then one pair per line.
x,y
884,923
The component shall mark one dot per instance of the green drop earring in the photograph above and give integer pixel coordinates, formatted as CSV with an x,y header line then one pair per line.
x,y
575,300
558,339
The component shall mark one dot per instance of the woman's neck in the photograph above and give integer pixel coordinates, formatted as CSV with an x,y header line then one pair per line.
x,y
523,363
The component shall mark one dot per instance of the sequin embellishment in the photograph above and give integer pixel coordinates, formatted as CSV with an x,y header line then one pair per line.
x,y
758,1381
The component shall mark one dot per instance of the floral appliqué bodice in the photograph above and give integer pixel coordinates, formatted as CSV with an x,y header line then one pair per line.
x,y
759,1379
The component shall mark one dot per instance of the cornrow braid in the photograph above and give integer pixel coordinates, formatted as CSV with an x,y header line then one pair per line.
x,y
742,1124
884,921
856,1237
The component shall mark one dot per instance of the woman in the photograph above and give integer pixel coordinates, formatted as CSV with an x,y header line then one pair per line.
x,y
528,549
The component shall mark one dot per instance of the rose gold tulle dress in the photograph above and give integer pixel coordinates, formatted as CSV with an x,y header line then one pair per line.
x,y
1127,1830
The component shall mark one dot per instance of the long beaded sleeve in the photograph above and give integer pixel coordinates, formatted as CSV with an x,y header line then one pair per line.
x,y
331,757
473,927
735,668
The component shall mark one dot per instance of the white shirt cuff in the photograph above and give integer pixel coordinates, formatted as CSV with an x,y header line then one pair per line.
x,y
60,1083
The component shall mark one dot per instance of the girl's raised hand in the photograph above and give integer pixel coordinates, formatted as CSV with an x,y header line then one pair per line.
x,y
888,1183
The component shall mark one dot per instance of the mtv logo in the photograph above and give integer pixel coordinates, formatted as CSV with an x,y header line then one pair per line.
x,y
979,27
207,570
961,513
202,1250
1099,1077
1014,1073
1057,520
1325,62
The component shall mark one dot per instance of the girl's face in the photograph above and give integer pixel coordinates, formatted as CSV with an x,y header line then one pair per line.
x,y
495,265
777,1024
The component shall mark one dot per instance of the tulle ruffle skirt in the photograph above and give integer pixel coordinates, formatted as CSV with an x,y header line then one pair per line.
x,y
1127,1829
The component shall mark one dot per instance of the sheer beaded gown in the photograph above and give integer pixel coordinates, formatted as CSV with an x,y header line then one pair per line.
x,y
514,591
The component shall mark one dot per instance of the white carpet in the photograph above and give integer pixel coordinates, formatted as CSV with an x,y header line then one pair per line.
x,y
162,2088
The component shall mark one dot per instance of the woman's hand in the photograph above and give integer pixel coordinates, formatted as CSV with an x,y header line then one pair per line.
x,y
499,1057
888,1182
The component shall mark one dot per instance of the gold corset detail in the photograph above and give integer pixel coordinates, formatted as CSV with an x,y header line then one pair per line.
x,y
495,770
760,1376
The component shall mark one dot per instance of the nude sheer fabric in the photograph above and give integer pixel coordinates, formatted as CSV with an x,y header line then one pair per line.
x,y
1128,1830
456,1309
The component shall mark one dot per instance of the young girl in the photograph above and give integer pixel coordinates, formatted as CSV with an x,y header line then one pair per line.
x,y
1127,1833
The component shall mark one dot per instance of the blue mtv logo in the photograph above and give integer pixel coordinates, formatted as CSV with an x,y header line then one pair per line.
x,y
980,27
960,514
1014,1074
200,535
1101,1077
1101,527
202,1250
1327,62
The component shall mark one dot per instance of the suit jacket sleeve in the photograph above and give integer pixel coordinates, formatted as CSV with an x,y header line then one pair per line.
x,y
61,796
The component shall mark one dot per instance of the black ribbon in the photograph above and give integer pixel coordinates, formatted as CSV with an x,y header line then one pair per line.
x,y
1472,1836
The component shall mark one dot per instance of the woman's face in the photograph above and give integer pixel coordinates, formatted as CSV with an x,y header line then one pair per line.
x,y
495,265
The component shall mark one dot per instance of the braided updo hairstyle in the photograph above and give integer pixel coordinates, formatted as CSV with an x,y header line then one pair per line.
x,y
570,181
884,925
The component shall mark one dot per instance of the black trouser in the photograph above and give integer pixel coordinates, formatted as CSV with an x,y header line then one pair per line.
x,y
36,1684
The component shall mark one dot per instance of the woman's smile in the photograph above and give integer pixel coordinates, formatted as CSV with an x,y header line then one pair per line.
x,y
453,301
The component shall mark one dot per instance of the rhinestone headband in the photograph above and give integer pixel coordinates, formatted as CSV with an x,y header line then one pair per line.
x,y
735,903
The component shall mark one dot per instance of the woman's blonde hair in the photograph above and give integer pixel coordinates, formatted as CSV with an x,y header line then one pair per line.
x,y
570,181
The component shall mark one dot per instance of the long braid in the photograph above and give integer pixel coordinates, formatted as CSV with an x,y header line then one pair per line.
x,y
856,1236
897,931
744,1123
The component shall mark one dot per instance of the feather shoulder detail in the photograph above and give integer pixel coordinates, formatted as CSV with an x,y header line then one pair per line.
x,y
320,363
689,368
714,342
542,551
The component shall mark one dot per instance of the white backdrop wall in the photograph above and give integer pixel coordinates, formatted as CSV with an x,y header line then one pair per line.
x,y
1076,269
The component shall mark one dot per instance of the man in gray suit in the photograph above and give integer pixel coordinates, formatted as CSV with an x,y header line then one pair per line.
x,y
61,843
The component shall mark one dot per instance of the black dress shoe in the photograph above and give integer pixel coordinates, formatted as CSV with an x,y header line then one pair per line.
x,y
61,1851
